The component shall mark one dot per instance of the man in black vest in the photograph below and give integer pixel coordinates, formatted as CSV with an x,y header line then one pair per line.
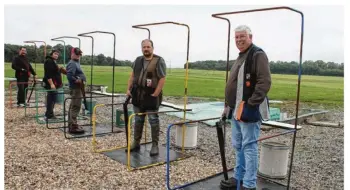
x,y
23,70
145,87
247,105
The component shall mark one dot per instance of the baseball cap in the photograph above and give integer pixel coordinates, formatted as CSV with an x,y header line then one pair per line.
x,y
76,51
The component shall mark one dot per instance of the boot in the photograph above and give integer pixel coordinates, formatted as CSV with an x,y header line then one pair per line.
x,y
155,139
75,129
137,138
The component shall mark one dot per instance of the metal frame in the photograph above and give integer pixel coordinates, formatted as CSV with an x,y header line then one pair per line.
x,y
83,136
128,132
36,55
91,82
142,26
92,61
184,156
34,42
218,15
64,46
12,83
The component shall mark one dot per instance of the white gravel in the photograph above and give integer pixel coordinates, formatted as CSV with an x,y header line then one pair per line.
x,y
39,158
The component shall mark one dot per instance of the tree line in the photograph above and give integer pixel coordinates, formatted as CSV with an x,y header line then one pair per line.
x,y
309,67
36,55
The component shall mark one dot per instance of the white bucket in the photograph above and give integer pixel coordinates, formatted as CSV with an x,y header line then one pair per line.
x,y
274,160
190,136
103,89
283,116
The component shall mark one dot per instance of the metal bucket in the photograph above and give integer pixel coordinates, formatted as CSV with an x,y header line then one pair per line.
x,y
273,160
60,96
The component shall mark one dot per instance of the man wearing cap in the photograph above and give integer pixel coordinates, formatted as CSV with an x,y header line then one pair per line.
x,y
23,70
52,80
76,77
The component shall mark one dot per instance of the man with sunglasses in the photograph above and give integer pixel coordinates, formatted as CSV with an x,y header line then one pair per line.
x,y
76,78
23,70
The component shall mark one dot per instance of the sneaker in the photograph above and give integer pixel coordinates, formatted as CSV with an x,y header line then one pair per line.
x,y
21,105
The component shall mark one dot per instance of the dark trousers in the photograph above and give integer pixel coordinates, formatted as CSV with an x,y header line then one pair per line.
x,y
50,103
22,84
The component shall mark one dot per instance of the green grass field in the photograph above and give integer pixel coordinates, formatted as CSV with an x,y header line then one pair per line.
x,y
210,84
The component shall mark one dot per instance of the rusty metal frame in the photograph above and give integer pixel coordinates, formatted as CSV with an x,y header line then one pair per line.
x,y
218,15
143,26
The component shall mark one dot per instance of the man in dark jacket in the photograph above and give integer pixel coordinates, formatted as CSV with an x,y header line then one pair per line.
x,y
52,80
23,70
247,105
76,78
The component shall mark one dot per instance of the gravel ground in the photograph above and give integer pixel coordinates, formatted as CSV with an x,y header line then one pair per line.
x,y
39,158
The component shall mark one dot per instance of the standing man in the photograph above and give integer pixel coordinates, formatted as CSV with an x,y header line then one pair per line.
x,y
52,80
76,79
246,97
145,87
23,70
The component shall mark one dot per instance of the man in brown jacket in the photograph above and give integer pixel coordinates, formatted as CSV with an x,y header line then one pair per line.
x,y
247,105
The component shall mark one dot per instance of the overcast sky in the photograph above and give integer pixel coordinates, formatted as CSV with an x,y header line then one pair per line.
x,y
277,32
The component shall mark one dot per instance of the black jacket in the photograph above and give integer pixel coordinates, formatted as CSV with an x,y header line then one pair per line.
x,y
22,67
52,71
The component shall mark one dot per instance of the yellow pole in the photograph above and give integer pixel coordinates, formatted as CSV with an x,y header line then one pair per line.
x,y
129,136
94,141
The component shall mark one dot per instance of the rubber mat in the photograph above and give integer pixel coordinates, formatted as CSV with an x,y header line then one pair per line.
x,y
101,129
213,183
142,157
59,119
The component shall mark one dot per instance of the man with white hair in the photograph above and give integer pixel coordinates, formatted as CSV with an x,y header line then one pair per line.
x,y
247,105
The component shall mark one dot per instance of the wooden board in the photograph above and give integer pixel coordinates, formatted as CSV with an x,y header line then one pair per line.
x,y
280,125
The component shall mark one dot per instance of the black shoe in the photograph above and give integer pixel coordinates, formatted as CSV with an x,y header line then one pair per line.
x,y
231,183
76,129
154,149
134,147
244,188
51,117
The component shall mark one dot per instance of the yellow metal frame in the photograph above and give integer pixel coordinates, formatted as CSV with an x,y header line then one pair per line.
x,y
94,141
129,144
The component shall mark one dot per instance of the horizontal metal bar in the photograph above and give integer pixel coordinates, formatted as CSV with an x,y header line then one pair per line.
x,y
255,10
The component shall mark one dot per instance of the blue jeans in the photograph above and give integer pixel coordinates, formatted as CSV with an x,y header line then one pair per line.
x,y
242,133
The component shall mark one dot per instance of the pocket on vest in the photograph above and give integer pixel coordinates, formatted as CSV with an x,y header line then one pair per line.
x,y
135,96
150,102
250,114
